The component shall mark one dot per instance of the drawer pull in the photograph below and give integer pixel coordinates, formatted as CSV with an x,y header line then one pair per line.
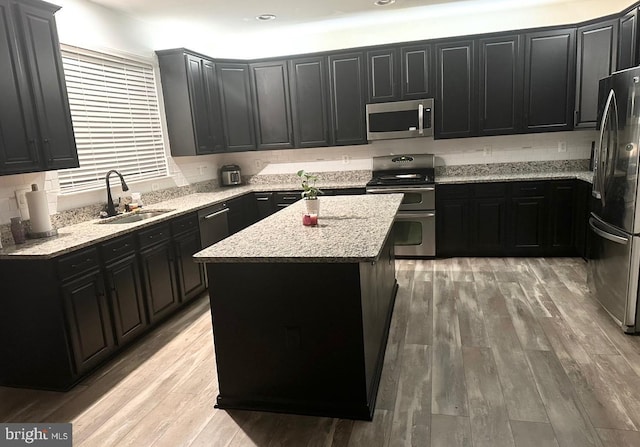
x,y
116,250
80,264
262,199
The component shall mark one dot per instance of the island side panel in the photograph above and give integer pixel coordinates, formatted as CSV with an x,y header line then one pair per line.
x,y
379,288
289,337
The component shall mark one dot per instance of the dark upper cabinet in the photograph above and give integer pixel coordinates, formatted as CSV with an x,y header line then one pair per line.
x,y
236,104
500,79
597,54
348,91
38,135
416,72
628,40
309,101
456,96
383,75
271,105
549,85
192,104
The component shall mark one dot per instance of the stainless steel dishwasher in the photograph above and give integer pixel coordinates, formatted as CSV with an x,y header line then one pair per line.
x,y
213,224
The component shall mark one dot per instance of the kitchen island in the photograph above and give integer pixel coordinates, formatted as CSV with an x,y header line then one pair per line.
x,y
301,314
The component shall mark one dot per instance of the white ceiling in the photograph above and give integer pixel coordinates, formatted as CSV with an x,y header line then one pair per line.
x,y
240,15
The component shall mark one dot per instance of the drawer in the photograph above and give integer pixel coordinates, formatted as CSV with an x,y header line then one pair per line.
x,y
528,189
78,263
184,224
153,235
490,190
456,191
287,198
117,248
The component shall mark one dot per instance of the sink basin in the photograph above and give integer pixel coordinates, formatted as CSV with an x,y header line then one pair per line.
x,y
133,217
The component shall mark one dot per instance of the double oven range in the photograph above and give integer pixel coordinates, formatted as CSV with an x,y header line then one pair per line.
x,y
415,225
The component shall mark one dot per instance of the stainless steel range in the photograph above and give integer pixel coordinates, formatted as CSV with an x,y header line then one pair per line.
x,y
415,225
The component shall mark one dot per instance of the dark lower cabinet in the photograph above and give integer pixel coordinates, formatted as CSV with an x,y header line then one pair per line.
x,y
88,320
529,218
126,299
191,275
157,262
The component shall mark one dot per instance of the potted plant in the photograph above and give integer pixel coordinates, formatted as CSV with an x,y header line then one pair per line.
x,y
310,191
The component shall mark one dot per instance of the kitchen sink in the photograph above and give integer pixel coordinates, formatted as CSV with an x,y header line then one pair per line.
x,y
136,216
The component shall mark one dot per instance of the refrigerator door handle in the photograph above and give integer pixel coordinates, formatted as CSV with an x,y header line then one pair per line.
x,y
611,237
598,178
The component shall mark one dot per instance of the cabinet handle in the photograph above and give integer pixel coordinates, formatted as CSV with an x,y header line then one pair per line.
x,y
80,264
46,149
217,213
262,199
290,198
116,250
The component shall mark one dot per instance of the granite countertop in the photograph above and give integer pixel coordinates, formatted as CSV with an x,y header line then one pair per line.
x,y
586,176
81,235
350,229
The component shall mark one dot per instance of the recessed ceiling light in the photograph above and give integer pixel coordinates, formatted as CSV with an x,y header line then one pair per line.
x,y
384,2
266,17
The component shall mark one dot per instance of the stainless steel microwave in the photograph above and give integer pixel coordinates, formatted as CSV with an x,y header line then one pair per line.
x,y
400,119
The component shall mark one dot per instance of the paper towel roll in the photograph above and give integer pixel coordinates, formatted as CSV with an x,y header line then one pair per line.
x,y
38,210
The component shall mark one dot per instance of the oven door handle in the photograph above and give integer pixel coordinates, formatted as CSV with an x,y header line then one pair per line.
x,y
422,215
401,190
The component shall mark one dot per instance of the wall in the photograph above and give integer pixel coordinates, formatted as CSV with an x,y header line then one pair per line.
x,y
385,26
89,25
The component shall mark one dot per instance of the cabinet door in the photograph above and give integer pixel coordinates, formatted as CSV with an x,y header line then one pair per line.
x,y
489,225
583,194
549,87
88,320
159,282
191,276
417,72
265,204
452,227
597,51
271,105
500,85
44,68
456,94
562,215
309,101
627,40
528,225
18,150
199,109
214,114
126,299
346,74
237,111
383,75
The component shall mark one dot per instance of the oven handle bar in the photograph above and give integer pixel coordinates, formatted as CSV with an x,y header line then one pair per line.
x,y
421,215
400,190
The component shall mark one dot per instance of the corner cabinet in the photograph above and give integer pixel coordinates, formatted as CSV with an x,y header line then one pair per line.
x,y
348,92
36,133
192,103
549,84
628,40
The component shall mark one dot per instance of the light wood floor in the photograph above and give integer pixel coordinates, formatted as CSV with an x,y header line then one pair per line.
x,y
482,352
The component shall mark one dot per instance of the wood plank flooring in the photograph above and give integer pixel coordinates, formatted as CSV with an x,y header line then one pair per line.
x,y
481,352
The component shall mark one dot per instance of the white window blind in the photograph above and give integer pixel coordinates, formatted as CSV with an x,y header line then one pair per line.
x,y
116,119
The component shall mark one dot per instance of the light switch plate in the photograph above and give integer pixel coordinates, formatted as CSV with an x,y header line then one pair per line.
x,y
21,201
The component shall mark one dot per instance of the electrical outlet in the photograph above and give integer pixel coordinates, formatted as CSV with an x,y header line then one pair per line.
x,y
562,146
201,169
346,159
155,187
258,164
21,201
486,150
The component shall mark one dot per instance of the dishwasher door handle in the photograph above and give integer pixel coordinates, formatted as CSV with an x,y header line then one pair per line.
x,y
217,213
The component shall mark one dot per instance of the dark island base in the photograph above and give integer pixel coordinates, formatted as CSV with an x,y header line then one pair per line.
x,y
301,338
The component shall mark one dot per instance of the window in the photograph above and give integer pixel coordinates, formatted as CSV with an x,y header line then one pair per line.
x,y
116,119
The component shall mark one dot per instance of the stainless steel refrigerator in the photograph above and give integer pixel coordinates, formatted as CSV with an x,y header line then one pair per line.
x,y
614,265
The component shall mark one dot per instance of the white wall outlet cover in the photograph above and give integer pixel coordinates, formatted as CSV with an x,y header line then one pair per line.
x,y
155,187
21,201
562,146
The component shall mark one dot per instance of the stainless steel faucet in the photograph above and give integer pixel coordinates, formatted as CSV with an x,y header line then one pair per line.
x,y
111,209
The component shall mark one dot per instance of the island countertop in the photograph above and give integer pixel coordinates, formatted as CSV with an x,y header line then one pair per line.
x,y
350,229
